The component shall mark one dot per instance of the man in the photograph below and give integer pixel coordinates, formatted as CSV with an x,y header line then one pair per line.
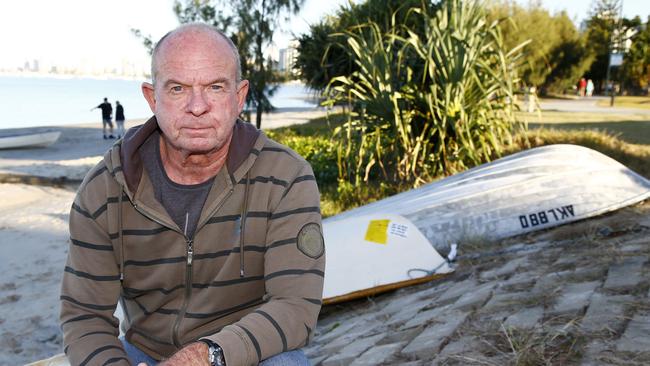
x,y
107,115
207,231
119,118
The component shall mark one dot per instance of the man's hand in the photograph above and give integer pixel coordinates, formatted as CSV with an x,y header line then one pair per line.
x,y
194,354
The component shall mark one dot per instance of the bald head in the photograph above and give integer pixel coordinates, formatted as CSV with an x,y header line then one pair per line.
x,y
192,29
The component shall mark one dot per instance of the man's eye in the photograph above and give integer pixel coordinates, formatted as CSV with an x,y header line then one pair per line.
x,y
216,87
177,89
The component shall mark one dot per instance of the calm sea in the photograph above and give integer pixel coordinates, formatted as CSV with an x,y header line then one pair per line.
x,y
47,101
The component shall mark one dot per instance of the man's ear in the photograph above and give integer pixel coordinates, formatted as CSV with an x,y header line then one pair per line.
x,y
242,91
149,95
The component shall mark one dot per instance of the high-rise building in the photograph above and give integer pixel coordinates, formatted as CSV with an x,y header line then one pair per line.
x,y
288,57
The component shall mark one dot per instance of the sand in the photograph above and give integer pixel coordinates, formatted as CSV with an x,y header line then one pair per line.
x,y
38,186
33,247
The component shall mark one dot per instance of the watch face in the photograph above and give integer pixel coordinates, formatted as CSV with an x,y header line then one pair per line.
x,y
211,354
216,356
215,353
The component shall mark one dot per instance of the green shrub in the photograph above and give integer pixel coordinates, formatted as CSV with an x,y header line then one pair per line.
x,y
318,150
427,104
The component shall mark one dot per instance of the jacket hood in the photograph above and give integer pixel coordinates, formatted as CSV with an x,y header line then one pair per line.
x,y
124,156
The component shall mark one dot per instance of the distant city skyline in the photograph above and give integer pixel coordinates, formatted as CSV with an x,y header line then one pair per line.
x,y
93,38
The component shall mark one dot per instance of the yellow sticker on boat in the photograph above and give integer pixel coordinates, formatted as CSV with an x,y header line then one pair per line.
x,y
377,231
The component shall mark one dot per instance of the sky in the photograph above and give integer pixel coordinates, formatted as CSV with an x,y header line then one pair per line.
x,y
94,32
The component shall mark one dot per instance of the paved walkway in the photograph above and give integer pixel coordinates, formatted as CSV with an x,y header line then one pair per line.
x,y
578,295
589,104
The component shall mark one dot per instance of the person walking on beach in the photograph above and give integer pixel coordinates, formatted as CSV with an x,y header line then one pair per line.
x,y
119,118
206,231
107,115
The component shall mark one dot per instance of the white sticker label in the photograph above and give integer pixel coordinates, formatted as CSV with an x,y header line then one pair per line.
x,y
398,230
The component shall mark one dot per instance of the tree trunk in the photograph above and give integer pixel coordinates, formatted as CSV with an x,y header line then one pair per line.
x,y
258,117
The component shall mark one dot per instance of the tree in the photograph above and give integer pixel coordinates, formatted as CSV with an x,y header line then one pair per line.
x,y
636,64
607,33
568,63
555,57
258,20
553,60
250,24
321,57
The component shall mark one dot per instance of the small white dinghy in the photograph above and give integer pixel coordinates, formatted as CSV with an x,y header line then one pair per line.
x,y
38,139
372,248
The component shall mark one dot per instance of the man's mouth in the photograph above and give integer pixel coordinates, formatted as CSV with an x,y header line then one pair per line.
x,y
195,130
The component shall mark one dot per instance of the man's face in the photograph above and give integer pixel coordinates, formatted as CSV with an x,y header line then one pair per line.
x,y
196,98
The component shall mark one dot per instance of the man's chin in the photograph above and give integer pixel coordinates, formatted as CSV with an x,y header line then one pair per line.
x,y
200,146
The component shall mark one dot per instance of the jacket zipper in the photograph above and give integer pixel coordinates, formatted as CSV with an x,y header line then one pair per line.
x,y
188,294
188,280
188,271
188,268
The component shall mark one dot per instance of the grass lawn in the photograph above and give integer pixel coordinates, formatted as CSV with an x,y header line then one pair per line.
x,y
632,128
628,101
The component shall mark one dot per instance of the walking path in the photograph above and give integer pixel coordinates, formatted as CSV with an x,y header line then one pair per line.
x,y
578,295
589,104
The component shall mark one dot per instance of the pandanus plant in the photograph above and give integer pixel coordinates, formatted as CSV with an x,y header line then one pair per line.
x,y
428,101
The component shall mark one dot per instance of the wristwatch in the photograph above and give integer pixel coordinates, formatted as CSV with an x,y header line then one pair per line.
x,y
215,353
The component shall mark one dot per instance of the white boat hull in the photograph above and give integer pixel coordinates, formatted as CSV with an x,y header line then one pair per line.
x,y
370,254
531,190
41,139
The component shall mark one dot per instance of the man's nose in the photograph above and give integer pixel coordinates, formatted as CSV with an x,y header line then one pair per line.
x,y
197,105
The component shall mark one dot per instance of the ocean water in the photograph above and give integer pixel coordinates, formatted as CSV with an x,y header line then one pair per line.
x,y
50,101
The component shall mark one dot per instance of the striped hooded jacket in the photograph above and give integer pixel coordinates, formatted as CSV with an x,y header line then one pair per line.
x,y
251,280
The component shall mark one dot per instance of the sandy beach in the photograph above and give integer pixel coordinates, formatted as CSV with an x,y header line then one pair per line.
x,y
38,186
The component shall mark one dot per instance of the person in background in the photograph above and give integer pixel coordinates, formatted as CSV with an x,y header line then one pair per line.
x,y
590,88
119,118
582,85
107,116
206,231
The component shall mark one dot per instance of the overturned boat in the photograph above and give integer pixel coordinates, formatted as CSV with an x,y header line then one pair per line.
x,y
527,191
29,140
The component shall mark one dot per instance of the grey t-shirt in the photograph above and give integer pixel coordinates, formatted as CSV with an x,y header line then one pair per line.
x,y
182,202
